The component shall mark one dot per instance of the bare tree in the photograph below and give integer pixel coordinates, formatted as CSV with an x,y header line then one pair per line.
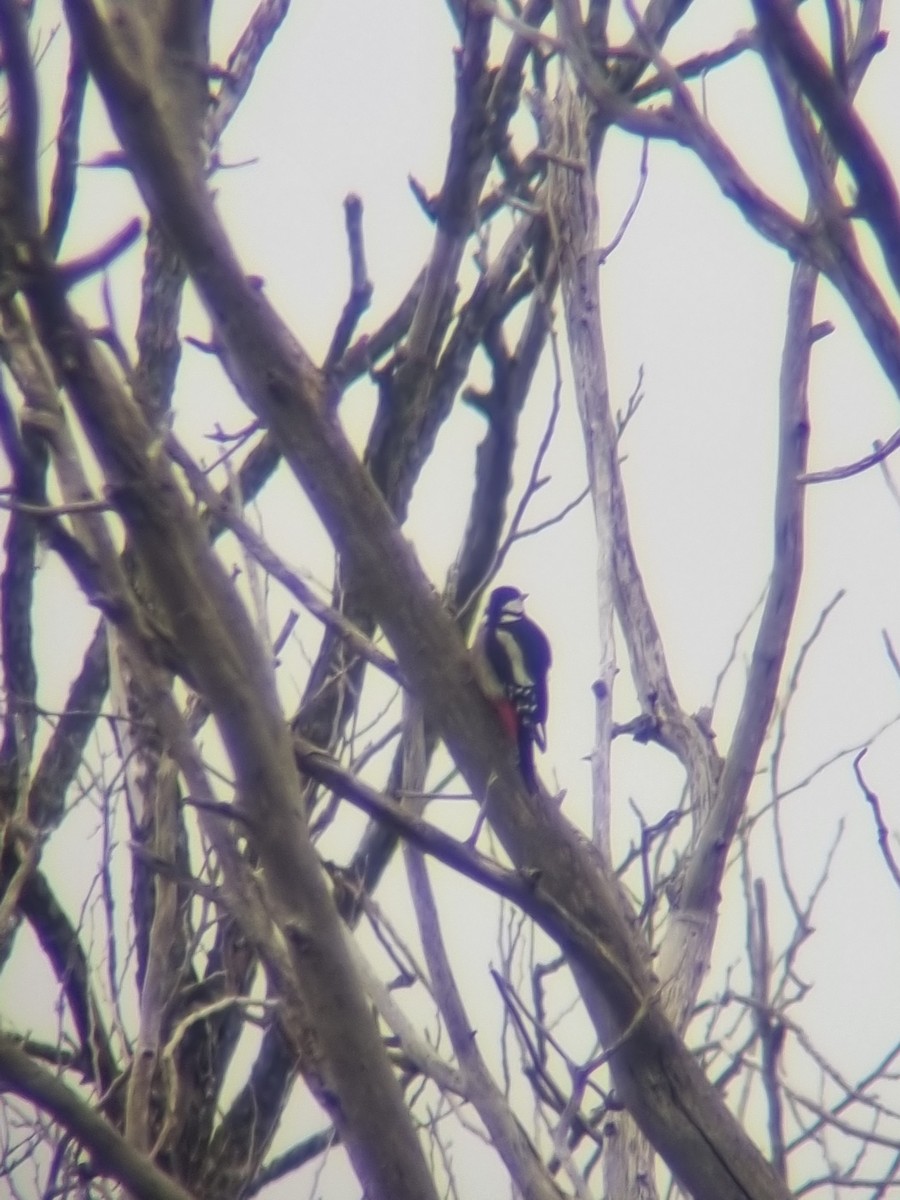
x,y
286,972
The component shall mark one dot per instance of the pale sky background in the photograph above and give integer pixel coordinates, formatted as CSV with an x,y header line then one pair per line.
x,y
355,97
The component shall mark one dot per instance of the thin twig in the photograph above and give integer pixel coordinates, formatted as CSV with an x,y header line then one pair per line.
x,y
360,285
78,269
879,454
882,829
220,507
54,510
604,253
535,480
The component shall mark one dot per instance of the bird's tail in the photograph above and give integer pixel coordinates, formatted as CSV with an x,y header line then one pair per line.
x,y
526,759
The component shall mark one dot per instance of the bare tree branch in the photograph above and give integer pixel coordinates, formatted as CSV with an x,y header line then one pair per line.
x,y
877,198
882,829
360,284
111,1153
62,189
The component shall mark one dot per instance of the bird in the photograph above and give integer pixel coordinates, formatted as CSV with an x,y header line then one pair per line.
x,y
518,654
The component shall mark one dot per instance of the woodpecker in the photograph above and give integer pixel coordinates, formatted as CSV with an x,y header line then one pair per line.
x,y
518,654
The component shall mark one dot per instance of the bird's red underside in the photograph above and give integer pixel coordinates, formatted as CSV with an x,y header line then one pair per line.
x,y
509,719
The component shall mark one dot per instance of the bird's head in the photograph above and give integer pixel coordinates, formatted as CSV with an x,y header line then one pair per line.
x,y
506,604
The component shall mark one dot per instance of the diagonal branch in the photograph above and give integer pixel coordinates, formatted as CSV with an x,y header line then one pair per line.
x,y
112,1154
360,284
705,869
528,1173
242,65
61,943
62,188
832,249
877,197
220,508
63,753
28,457
880,827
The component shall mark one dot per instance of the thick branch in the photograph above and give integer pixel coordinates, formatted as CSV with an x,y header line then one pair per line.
x,y
707,863
111,1153
61,943
62,189
28,457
